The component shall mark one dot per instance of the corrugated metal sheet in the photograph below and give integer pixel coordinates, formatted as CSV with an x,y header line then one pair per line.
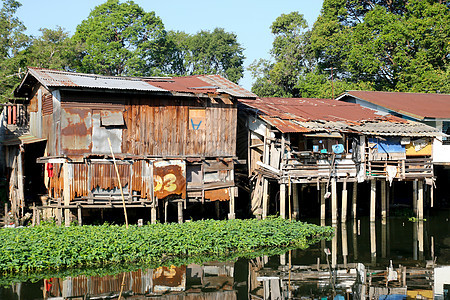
x,y
284,126
54,78
326,115
416,105
23,139
227,86
197,84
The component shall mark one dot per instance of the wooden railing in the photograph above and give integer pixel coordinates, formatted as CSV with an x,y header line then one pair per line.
x,y
408,168
315,165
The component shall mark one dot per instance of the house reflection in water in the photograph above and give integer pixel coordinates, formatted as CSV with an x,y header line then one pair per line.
x,y
209,281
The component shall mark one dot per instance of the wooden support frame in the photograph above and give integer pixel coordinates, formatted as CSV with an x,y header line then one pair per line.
x,y
373,197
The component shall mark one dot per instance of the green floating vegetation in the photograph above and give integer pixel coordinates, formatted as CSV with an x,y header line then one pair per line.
x,y
49,247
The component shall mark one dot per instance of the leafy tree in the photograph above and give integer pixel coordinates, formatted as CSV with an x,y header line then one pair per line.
x,y
393,45
121,39
54,49
12,41
207,52
397,45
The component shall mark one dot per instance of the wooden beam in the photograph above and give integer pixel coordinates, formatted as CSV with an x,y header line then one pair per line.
x,y
415,197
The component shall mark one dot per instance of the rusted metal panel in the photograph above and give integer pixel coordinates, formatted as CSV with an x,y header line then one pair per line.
x,y
285,126
169,178
218,195
112,118
47,104
76,130
100,135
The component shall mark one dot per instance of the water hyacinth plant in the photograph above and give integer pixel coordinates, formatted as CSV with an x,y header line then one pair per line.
x,y
49,247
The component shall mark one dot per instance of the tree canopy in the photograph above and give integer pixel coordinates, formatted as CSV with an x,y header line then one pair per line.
x,y
117,38
382,45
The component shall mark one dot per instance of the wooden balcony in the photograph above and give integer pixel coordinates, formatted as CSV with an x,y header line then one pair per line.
x,y
407,169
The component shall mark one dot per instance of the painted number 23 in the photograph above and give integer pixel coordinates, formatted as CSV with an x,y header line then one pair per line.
x,y
167,183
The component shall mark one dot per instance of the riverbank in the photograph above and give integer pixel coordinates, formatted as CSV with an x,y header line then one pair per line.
x,y
49,247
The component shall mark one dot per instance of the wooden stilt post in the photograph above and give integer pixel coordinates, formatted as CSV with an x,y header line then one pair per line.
x,y
153,211
334,248
33,221
265,208
231,215
388,198
20,183
373,242
59,213
166,210
6,214
344,202
322,201
373,196
383,239
344,243
354,198
420,201
66,192
334,206
283,201
295,199
383,201
180,211
420,238
217,204
415,197
80,216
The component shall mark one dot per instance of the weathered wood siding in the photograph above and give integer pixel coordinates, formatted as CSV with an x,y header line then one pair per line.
x,y
160,127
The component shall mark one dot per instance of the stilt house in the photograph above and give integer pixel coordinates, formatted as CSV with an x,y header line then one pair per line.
x,y
322,142
173,139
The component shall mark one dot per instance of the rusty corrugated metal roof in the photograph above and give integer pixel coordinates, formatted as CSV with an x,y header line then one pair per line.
x,y
54,78
284,126
197,84
327,115
417,105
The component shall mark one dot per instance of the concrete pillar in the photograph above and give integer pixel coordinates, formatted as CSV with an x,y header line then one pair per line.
x,y
231,215
354,197
373,197
283,201
265,208
334,206
344,202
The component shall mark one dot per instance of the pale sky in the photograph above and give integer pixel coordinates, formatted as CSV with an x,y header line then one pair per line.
x,y
249,20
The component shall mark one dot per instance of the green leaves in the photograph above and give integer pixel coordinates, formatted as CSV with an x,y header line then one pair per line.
x,y
120,39
50,247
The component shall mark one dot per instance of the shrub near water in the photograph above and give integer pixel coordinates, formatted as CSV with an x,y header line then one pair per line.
x,y
51,247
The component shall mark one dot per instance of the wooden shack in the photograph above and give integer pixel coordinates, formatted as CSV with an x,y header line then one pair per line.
x,y
293,143
173,141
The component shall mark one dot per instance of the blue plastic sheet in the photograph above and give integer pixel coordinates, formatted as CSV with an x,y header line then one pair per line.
x,y
390,145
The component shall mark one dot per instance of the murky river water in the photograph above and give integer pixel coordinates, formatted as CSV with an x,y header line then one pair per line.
x,y
376,261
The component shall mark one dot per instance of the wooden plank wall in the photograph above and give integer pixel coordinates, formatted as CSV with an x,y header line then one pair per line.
x,y
160,127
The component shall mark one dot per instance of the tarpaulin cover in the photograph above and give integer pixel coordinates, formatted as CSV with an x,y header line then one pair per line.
x,y
388,145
